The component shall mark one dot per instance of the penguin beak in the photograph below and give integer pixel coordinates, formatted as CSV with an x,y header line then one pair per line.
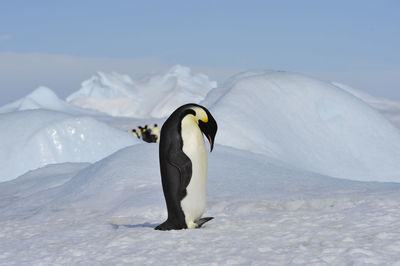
x,y
209,129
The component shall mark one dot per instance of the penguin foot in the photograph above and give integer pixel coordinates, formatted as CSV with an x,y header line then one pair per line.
x,y
203,220
167,225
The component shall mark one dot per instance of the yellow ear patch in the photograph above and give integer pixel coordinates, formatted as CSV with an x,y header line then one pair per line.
x,y
204,119
201,114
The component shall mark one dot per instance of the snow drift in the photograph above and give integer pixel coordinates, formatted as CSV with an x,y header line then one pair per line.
x,y
306,123
302,122
156,95
32,139
42,98
390,109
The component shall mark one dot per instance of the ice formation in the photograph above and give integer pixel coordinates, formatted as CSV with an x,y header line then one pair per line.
x,y
155,95
41,98
32,139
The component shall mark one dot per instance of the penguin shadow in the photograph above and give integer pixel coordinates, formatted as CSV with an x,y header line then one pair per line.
x,y
143,225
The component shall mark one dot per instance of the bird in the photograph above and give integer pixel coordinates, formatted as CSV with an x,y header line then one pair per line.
x,y
184,165
135,133
155,132
140,132
146,134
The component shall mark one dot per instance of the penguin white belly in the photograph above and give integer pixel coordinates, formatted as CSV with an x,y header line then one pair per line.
x,y
194,204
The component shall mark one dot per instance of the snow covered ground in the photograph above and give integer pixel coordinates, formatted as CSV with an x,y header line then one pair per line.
x,y
94,200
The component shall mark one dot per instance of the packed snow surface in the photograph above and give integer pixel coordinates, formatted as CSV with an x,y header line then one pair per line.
x,y
152,96
265,214
92,194
306,123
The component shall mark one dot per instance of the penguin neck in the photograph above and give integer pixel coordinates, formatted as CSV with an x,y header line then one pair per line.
x,y
189,120
192,137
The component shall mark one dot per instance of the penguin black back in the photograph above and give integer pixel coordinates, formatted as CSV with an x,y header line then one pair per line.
x,y
174,188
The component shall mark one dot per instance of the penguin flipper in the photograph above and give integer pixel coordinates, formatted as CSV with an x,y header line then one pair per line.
x,y
203,220
181,161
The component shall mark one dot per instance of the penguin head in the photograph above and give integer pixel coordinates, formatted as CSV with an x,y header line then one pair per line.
x,y
206,122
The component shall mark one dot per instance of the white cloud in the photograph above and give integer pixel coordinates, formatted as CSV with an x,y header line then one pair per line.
x,y
5,37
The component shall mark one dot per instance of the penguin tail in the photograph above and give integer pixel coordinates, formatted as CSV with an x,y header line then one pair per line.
x,y
203,220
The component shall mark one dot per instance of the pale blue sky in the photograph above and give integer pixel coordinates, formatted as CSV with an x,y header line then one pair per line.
x,y
353,42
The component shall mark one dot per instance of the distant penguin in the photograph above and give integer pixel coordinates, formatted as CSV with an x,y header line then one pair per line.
x,y
135,133
140,132
146,134
155,131
183,165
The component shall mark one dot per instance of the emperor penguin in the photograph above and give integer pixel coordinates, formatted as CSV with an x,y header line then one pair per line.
x,y
140,132
135,133
183,165
155,131
146,134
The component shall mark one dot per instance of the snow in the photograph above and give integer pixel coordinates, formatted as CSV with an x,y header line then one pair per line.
x,y
104,213
155,95
306,123
390,109
42,98
79,189
32,139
